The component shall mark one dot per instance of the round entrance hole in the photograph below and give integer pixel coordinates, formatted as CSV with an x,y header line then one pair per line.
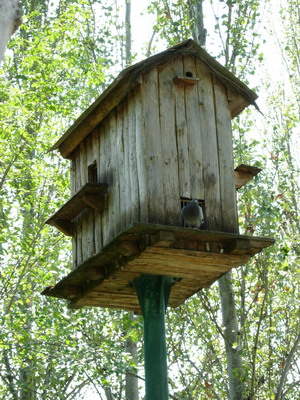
x,y
189,74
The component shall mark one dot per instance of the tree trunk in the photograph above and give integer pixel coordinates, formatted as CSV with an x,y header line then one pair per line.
x,y
128,54
10,20
132,389
231,337
108,394
199,32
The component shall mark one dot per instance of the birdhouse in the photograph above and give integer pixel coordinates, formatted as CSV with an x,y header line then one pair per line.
x,y
158,136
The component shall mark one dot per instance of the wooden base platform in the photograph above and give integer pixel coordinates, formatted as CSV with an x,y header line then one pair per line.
x,y
195,258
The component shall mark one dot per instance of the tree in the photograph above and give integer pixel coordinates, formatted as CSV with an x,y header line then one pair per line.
x,y
55,67
10,20
59,60
250,297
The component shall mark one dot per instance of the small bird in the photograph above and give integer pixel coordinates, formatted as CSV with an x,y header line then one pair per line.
x,y
192,214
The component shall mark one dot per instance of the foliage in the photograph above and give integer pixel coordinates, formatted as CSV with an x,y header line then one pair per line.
x,y
53,70
62,55
265,288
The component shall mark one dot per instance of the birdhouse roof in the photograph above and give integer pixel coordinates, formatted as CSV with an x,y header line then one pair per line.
x,y
129,78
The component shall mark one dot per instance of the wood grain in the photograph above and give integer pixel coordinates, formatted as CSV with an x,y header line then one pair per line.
x,y
153,156
225,154
211,176
168,145
105,280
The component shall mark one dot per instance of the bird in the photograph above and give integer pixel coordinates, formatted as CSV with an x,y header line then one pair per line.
x,y
192,214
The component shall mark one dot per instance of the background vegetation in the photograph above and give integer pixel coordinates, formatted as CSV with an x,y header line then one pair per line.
x,y
62,57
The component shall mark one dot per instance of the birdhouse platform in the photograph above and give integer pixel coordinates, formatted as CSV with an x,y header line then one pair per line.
x,y
194,258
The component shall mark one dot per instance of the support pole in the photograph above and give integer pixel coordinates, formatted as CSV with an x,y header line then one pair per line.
x,y
153,293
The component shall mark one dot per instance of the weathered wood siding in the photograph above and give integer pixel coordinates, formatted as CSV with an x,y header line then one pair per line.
x,y
164,141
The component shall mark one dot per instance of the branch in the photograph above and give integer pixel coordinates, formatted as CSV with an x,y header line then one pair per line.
x,y
261,317
92,382
286,368
148,54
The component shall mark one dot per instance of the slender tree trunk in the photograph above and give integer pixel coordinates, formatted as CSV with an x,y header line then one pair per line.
x,y
199,32
108,394
288,362
10,20
231,336
128,54
132,389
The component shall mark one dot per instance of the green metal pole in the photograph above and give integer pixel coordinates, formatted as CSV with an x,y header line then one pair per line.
x,y
153,292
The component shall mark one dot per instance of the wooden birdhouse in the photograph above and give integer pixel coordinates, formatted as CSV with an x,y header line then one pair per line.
x,y
158,136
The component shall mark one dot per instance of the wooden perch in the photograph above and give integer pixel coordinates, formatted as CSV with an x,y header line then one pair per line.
x,y
244,174
90,195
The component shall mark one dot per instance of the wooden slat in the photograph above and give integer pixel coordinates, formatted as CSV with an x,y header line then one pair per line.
x,y
236,103
134,213
192,234
185,80
98,213
244,174
169,171
153,155
93,202
76,204
121,161
211,175
194,133
114,212
126,183
140,158
83,217
110,284
73,176
225,154
181,135
105,149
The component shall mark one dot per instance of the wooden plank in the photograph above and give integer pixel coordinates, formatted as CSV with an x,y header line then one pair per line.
x,y
66,227
225,154
140,151
78,184
112,273
153,156
73,176
211,178
75,188
192,234
194,132
78,236
121,161
98,220
114,212
76,204
127,192
83,163
105,146
181,135
236,102
244,174
134,189
185,80
248,169
168,145
180,263
82,218
92,201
